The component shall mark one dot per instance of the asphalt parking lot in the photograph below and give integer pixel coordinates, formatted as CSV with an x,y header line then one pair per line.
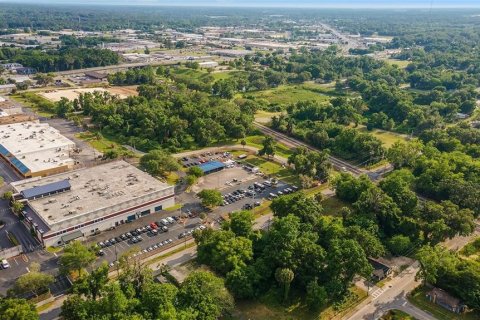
x,y
251,195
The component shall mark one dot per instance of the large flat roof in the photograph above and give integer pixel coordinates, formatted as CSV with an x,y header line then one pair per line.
x,y
37,145
91,189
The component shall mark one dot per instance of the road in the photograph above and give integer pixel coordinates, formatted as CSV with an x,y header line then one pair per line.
x,y
126,66
394,293
294,143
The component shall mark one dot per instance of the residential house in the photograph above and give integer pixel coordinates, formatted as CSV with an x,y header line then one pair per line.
x,y
445,300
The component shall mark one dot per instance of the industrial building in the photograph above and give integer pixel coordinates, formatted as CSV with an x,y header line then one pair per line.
x,y
76,204
35,149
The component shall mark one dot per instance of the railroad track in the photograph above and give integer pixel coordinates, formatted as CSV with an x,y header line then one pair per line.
x,y
337,163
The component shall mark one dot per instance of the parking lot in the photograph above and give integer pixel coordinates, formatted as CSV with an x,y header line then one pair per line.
x,y
127,236
250,194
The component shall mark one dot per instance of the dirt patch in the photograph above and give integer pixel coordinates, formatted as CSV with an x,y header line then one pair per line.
x,y
71,94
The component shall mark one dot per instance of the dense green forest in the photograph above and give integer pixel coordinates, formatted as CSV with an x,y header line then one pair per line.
x,y
65,58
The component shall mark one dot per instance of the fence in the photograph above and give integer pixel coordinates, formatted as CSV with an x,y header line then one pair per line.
x,y
11,252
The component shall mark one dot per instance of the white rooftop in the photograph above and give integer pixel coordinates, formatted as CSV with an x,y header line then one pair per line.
x,y
95,192
37,145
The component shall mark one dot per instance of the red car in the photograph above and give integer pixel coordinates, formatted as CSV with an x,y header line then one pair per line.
x,y
153,225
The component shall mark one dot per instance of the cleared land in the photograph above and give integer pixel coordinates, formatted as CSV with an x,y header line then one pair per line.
x,y
388,138
71,94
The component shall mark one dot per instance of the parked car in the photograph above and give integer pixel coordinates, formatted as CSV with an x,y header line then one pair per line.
x,y
5,264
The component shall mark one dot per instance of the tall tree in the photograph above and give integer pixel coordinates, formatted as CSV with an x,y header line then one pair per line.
x,y
284,277
76,257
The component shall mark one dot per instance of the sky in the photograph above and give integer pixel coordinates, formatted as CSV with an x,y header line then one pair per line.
x,y
273,3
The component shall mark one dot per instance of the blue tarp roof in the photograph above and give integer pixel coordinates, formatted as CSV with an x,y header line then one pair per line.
x,y
45,189
211,166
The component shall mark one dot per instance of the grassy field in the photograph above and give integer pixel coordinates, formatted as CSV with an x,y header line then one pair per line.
x,y
100,143
265,117
268,307
388,138
288,94
419,299
202,74
472,250
38,104
400,63
397,315
256,141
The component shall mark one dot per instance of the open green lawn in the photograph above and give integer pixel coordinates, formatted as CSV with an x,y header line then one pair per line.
x,y
419,299
102,143
388,138
400,63
289,94
202,74
268,307
472,250
256,141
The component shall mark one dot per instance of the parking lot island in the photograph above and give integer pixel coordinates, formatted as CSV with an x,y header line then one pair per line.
x,y
80,203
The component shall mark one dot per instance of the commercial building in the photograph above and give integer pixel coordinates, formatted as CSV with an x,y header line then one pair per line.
x,y
35,149
76,204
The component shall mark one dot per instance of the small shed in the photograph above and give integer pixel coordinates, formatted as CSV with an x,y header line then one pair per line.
x,y
445,300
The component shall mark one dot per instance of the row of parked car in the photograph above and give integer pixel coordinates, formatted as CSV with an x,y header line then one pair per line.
x,y
273,195
189,232
133,236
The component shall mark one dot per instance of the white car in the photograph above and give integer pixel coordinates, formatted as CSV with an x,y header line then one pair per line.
x,y
5,264
170,220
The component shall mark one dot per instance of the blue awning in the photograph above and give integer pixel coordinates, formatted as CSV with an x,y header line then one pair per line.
x,y
46,189
211,166
4,151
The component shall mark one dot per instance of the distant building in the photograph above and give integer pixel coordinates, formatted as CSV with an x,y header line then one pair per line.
x,y
380,269
81,203
7,87
11,66
96,75
444,299
26,70
208,64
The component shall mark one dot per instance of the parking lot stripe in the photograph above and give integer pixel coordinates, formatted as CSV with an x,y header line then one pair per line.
x,y
28,270
15,261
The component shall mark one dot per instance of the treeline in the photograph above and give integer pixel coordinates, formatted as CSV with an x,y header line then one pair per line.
x,y
315,256
165,116
73,41
59,60
442,176
133,76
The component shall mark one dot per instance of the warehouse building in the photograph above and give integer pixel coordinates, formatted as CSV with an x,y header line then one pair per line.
x,y
80,203
35,149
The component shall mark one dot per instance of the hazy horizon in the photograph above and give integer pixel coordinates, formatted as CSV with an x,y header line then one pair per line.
x,y
268,3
